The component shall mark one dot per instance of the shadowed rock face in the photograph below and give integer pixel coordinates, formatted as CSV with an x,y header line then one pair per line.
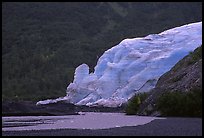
x,y
184,76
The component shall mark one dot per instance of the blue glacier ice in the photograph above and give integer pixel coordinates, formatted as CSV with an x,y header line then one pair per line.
x,y
133,66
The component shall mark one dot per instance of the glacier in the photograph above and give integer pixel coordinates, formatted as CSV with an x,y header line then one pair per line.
x,y
133,66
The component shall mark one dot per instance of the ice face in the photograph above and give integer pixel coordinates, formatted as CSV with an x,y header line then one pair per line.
x,y
132,66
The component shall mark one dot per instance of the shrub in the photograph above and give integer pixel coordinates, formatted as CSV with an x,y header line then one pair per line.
x,y
134,103
181,104
196,55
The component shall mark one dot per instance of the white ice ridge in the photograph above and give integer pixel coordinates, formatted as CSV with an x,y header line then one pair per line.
x,y
132,66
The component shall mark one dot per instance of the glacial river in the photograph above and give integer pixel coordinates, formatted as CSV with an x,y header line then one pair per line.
x,y
86,120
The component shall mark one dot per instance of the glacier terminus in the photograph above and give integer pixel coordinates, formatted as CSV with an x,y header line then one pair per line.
x,y
133,66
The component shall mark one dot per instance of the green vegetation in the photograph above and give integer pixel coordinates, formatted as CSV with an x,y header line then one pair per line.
x,y
134,103
43,43
181,104
195,55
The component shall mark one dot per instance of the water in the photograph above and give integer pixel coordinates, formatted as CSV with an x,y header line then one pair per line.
x,y
86,120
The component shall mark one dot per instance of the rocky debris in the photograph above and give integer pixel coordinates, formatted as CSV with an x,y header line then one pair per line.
x,y
29,108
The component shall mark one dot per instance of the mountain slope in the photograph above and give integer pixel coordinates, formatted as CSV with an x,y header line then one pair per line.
x,y
185,77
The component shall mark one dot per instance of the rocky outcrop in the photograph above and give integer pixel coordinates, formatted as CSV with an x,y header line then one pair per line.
x,y
183,77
